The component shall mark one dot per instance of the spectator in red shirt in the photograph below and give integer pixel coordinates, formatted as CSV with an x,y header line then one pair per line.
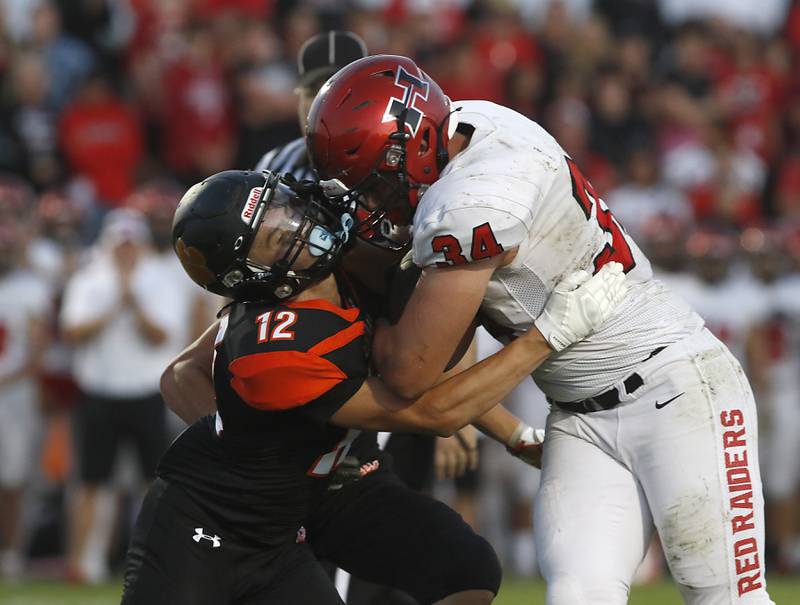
x,y
102,140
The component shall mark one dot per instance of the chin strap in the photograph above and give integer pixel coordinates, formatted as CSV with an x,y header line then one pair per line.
x,y
400,139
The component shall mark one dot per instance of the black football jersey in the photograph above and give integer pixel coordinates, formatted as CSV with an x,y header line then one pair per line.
x,y
280,373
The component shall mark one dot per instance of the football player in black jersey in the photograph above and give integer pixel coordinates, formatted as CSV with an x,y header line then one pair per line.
x,y
287,463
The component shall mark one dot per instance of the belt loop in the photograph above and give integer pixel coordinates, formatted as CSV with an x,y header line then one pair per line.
x,y
632,383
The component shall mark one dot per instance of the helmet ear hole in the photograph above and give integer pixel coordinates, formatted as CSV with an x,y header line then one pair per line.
x,y
425,141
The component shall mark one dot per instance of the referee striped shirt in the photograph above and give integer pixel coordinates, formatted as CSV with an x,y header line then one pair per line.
x,y
292,158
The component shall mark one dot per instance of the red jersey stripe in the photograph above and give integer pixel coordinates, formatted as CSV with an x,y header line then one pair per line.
x,y
338,340
280,380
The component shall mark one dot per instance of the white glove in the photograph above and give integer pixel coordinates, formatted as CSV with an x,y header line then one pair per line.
x,y
526,444
579,304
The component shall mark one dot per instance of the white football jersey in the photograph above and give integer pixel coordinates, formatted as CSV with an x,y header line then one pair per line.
x,y
23,296
514,186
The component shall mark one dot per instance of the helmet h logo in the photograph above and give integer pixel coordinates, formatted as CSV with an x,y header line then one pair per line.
x,y
216,541
414,89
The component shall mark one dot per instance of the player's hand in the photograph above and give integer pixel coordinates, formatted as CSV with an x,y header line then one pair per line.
x,y
453,456
580,304
526,444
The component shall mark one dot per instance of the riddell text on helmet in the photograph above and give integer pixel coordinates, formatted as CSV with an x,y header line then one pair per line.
x,y
250,206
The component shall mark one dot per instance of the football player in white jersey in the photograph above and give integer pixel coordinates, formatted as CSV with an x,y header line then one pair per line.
x,y
652,424
24,307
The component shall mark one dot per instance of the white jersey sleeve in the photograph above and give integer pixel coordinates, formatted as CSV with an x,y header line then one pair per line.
x,y
466,234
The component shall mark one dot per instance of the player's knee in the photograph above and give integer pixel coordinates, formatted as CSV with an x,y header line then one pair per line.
x,y
473,566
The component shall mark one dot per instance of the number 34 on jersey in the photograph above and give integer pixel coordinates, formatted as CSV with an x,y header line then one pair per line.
x,y
484,243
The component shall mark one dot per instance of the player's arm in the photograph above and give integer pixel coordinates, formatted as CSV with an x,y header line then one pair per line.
x,y
453,456
451,404
412,354
577,306
458,251
186,384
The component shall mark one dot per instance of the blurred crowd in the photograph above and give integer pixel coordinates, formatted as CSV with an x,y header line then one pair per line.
x,y
684,114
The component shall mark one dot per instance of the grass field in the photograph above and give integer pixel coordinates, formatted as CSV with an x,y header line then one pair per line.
x,y
514,592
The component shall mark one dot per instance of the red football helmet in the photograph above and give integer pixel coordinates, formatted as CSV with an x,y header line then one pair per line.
x,y
379,126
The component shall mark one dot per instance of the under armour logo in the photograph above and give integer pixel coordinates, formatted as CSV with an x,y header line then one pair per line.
x,y
199,535
414,89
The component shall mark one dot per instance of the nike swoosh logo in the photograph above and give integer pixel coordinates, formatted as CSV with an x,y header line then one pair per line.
x,y
661,405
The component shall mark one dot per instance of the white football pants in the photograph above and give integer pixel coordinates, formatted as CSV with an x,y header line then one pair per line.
x,y
688,467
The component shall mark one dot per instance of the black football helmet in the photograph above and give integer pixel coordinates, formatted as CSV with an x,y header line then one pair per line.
x,y
217,220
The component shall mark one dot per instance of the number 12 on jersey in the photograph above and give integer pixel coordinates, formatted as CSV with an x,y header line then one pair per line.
x,y
280,324
617,249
